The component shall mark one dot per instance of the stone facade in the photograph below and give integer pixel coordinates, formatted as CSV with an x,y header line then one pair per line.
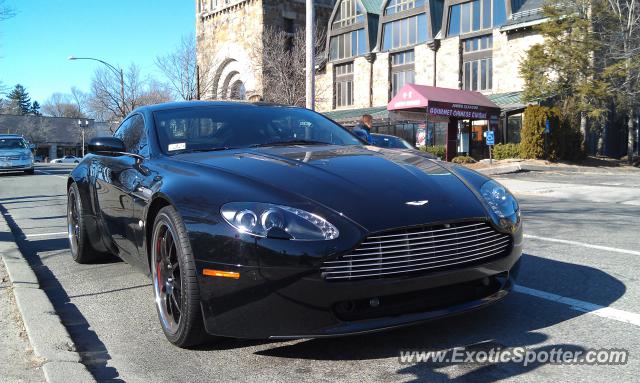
x,y
509,48
229,35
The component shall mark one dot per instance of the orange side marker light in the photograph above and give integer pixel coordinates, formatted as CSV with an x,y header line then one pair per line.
x,y
219,273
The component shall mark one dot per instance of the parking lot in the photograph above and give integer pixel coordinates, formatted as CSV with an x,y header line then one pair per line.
x,y
578,290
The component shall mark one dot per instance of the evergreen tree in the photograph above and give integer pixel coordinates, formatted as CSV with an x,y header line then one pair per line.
x,y
35,109
20,97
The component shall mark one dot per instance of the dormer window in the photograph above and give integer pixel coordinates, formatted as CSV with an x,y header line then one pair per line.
x,y
397,6
475,16
349,12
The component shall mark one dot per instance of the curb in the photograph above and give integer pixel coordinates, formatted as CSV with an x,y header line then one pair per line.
x,y
47,335
516,168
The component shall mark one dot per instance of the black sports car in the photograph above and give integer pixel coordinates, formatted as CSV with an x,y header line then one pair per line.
x,y
264,221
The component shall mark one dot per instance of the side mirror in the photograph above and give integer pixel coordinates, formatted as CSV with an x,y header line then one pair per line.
x,y
106,145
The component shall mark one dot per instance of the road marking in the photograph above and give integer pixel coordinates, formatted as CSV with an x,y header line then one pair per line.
x,y
587,307
46,235
51,174
606,248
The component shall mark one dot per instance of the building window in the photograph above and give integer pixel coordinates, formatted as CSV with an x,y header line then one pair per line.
x,y
349,13
405,32
348,45
477,60
402,70
478,44
396,6
343,85
478,74
514,126
475,16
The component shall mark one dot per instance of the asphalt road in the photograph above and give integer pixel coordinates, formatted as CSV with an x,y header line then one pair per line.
x,y
580,248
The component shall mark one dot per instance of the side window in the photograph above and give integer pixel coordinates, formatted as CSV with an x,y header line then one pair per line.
x,y
132,133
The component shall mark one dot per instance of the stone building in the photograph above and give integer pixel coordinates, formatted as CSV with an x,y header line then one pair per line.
x,y
229,37
378,46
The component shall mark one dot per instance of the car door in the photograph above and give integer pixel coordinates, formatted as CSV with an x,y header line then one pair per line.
x,y
121,176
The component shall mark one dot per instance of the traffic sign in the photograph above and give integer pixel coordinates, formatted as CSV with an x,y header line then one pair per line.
x,y
491,138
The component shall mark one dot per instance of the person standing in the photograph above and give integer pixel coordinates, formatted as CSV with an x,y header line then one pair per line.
x,y
363,128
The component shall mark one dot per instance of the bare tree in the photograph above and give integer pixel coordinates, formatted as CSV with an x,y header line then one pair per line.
x,y
105,101
188,79
6,11
63,105
282,61
621,31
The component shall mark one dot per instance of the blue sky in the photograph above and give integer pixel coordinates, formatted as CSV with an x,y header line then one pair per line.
x,y
35,44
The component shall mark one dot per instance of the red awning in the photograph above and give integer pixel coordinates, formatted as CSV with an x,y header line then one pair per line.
x,y
444,102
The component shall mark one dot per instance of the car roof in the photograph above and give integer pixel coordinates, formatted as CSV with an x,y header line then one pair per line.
x,y
10,136
200,104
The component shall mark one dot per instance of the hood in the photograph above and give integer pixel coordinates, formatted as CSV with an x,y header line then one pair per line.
x,y
377,188
14,152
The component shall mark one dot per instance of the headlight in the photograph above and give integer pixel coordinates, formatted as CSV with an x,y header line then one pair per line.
x,y
276,221
503,206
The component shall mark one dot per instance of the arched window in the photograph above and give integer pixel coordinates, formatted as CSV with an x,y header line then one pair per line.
x,y
349,12
396,6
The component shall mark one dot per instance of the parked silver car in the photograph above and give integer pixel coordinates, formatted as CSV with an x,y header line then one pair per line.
x,y
15,154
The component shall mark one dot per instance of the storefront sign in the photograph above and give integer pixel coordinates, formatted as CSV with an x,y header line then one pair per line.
x,y
464,111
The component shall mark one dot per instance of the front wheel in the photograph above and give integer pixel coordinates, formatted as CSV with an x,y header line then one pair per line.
x,y
175,282
30,171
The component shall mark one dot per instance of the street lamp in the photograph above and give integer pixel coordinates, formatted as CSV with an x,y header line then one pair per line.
x,y
115,70
83,125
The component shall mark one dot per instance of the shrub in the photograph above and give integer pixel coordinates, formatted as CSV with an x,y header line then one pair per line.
x,y
438,151
463,160
505,151
564,142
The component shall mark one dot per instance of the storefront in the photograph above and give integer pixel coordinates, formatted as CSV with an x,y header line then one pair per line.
x,y
457,119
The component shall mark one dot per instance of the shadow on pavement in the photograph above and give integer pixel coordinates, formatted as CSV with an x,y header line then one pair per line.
x,y
518,321
93,352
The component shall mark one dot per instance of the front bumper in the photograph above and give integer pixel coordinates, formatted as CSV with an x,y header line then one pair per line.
x,y
15,165
273,302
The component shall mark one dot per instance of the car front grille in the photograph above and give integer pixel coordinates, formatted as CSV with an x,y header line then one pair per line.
x,y
9,158
418,250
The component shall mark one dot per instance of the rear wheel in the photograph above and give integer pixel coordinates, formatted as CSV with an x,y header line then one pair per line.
x,y
81,249
175,282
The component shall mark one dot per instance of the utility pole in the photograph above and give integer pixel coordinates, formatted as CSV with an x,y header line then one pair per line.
x,y
311,60
83,125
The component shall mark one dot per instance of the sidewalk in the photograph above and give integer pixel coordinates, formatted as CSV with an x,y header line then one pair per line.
x,y
17,360
590,165
38,347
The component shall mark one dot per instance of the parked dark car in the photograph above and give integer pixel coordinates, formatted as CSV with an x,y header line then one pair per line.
x,y
265,221
389,142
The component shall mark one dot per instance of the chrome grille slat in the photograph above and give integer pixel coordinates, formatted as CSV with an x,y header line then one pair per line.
x,y
352,271
421,243
359,262
430,236
426,231
421,249
403,271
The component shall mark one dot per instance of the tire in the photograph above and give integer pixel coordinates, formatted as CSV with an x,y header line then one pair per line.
x,y
81,249
31,171
176,292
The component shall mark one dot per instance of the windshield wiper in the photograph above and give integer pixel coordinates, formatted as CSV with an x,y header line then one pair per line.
x,y
289,143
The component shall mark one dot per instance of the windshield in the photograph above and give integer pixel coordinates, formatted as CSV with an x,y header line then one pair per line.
x,y
390,142
12,143
226,127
